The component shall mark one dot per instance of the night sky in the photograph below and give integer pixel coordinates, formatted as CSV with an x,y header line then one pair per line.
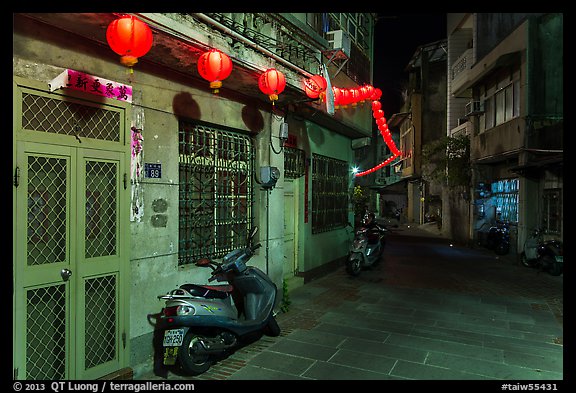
x,y
397,36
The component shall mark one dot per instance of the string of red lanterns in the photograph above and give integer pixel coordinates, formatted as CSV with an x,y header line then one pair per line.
x,y
131,38
314,88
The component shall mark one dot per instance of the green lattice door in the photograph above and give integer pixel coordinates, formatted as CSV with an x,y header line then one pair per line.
x,y
70,260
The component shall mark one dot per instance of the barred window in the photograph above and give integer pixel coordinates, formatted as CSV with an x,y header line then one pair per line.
x,y
330,178
215,191
552,211
505,193
294,162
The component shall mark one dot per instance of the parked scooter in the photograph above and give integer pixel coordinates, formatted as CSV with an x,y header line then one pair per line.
x,y
498,238
204,323
547,255
367,247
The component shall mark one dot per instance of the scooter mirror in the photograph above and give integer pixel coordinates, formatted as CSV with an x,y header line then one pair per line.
x,y
203,262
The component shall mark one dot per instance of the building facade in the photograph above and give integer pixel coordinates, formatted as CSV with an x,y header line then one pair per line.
x,y
116,195
505,91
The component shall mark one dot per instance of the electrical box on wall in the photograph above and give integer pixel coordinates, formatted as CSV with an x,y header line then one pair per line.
x,y
283,134
269,175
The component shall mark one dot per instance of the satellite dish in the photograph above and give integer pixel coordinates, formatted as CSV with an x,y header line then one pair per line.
x,y
329,92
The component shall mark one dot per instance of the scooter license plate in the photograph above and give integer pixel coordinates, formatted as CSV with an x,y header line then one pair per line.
x,y
173,337
560,258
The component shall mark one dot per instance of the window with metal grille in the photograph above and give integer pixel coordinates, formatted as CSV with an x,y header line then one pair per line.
x,y
294,162
330,178
505,194
215,191
552,211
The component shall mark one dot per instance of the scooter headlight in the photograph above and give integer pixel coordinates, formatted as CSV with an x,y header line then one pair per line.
x,y
185,310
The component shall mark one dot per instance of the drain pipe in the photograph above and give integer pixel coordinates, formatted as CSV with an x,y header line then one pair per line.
x,y
250,43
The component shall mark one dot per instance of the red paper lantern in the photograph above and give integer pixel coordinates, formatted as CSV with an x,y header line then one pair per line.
x,y
345,97
354,96
214,66
315,86
130,38
272,82
337,96
376,94
376,105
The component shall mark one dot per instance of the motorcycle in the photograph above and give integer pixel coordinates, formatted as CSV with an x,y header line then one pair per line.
x,y
498,238
204,323
547,255
366,249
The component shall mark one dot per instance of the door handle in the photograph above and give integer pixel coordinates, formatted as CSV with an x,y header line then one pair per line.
x,y
65,274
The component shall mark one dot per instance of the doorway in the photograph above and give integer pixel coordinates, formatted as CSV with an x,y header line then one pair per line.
x,y
71,244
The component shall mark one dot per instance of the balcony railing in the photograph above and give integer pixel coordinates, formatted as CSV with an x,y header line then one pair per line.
x,y
460,71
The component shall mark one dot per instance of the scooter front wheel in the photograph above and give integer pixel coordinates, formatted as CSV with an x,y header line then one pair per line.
x,y
190,360
354,266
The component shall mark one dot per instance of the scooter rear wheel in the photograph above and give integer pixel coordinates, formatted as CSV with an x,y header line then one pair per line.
x,y
554,268
190,361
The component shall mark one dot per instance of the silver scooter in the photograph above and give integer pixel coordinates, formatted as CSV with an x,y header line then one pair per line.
x,y
367,248
204,323
546,255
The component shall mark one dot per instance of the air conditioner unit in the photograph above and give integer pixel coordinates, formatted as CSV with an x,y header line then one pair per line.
x,y
339,42
360,142
474,108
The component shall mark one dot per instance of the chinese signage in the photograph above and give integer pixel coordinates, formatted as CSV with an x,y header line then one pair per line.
x,y
77,80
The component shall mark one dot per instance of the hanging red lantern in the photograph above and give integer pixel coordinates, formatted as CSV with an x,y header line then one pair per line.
x,y
376,105
315,86
337,96
214,66
345,97
354,96
130,38
376,94
272,82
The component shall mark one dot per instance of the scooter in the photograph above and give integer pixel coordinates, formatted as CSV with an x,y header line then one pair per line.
x,y
366,249
547,255
498,238
204,323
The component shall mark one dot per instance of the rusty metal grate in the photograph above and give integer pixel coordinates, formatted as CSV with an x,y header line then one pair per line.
x,y
100,319
294,162
46,222
215,191
330,179
63,117
101,185
46,333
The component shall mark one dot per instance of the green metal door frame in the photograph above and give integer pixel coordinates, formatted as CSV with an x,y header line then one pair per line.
x,y
88,271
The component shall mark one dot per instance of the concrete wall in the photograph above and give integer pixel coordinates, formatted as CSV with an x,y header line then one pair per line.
x,y
322,248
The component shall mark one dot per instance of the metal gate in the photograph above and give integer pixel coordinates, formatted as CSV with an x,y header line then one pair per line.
x,y
70,244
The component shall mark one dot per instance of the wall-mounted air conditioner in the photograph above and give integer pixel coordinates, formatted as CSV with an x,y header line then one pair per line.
x,y
474,108
339,41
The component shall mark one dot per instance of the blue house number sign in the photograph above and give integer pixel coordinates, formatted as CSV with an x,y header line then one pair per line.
x,y
152,170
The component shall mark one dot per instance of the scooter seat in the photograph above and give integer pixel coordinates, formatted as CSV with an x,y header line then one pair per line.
x,y
208,291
